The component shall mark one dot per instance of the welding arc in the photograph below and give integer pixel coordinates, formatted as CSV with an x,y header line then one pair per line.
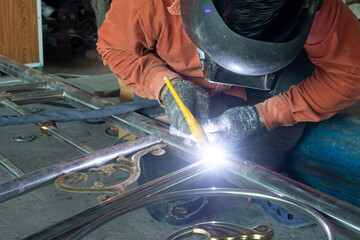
x,y
75,115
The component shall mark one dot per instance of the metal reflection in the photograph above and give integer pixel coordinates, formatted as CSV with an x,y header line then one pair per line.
x,y
224,231
132,166
45,127
344,216
93,218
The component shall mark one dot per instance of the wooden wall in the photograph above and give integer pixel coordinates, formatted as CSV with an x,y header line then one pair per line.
x,y
19,38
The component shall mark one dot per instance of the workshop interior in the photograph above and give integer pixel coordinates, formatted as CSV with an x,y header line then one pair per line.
x,y
79,149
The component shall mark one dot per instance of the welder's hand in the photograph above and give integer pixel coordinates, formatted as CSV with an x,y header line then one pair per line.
x,y
194,97
236,123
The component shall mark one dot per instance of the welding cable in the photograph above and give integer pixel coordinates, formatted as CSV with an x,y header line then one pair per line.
x,y
75,115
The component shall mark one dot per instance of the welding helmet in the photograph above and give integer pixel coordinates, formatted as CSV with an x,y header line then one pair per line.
x,y
228,58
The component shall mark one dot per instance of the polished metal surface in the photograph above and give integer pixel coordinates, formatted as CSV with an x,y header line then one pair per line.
x,y
337,211
123,203
44,127
307,211
48,128
17,87
97,158
224,231
132,166
93,218
34,97
10,167
340,213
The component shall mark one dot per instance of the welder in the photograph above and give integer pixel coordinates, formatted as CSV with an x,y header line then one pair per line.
x,y
253,71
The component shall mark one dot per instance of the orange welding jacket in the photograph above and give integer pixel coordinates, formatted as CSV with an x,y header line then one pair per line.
x,y
144,40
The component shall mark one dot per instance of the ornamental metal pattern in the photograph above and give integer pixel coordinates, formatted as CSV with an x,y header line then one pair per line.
x,y
224,231
132,166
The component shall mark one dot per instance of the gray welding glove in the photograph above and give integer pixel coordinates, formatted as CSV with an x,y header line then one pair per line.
x,y
194,97
235,123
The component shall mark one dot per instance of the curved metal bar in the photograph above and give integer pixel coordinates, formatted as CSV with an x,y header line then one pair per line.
x,y
133,167
343,215
31,180
338,212
208,192
116,206
173,180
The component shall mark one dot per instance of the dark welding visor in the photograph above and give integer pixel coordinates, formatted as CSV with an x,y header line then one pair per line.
x,y
229,58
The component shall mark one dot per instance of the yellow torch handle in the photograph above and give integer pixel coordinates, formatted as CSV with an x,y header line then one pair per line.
x,y
194,126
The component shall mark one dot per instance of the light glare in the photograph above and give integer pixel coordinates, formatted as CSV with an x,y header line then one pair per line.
x,y
213,155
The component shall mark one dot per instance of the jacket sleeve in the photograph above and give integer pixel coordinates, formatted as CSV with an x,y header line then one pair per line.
x,y
127,45
333,46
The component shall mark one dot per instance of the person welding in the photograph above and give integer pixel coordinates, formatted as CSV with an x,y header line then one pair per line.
x,y
254,71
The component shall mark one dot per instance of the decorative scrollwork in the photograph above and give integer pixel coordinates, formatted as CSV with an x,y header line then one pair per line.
x,y
223,231
132,166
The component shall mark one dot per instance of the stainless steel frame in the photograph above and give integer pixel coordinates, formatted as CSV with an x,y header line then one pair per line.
x,y
309,212
343,216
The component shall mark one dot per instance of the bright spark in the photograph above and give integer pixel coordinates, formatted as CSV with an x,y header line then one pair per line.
x,y
213,155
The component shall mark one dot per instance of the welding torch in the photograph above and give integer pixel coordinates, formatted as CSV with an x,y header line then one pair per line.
x,y
194,126
213,155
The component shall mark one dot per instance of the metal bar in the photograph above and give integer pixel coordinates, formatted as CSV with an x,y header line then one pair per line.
x,y
134,123
98,158
34,97
28,74
22,87
122,209
68,139
337,211
10,167
51,130
140,126
186,174
10,105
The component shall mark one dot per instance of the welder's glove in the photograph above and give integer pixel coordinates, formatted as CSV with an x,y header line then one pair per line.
x,y
236,123
194,97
